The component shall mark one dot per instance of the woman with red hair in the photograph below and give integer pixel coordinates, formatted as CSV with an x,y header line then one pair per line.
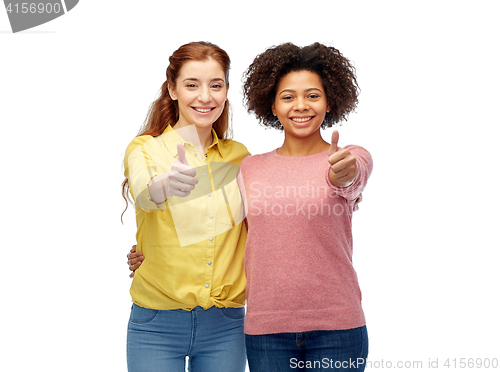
x,y
181,170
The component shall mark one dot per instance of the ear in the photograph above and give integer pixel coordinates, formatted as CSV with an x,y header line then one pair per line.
x,y
273,110
172,93
328,108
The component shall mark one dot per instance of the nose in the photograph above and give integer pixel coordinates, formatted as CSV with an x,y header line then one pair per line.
x,y
301,104
205,95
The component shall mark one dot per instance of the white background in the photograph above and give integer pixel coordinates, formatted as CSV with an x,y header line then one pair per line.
x,y
75,91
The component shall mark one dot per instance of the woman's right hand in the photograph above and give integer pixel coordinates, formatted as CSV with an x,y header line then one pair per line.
x,y
180,180
134,260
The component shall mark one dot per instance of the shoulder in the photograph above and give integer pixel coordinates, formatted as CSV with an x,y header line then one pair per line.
x,y
233,151
359,151
257,160
357,148
235,146
143,146
138,141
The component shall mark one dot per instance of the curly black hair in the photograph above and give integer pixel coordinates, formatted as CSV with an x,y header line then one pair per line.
x,y
337,75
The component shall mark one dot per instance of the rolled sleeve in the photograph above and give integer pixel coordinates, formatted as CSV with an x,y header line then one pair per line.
x,y
140,168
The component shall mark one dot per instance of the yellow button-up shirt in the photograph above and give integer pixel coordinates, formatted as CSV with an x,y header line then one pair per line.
x,y
194,246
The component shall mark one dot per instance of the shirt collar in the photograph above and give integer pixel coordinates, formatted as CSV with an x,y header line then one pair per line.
x,y
171,138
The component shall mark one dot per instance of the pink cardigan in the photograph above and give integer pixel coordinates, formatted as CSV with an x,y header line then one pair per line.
x,y
298,259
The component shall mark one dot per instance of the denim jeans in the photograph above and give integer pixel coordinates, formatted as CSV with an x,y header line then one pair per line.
x,y
160,340
343,350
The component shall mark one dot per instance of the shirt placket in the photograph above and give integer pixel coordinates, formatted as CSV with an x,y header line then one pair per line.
x,y
210,242
209,211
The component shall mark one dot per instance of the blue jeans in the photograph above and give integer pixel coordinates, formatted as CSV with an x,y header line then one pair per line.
x,y
160,340
344,350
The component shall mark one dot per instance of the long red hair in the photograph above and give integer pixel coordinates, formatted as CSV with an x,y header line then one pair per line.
x,y
164,111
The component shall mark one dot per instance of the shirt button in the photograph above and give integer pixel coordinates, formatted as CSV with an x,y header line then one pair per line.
x,y
211,239
195,154
206,285
211,216
209,195
204,174
209,262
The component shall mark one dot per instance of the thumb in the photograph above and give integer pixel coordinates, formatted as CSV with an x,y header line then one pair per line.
x,y
181,153
335,140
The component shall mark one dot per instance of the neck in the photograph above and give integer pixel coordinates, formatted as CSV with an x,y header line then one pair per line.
x,y
303,146
205,136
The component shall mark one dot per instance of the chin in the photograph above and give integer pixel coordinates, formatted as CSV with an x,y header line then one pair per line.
x,y
204,124
302,133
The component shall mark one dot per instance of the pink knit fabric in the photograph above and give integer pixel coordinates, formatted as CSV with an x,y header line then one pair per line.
x,y
298,258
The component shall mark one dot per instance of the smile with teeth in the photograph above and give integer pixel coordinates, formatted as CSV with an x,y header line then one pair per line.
x,y
302,120
203,109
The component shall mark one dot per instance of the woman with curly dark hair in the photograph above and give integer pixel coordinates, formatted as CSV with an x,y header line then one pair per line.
x,y
303,299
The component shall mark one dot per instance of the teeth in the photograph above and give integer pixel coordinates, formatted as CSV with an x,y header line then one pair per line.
x,y
202,110
301,120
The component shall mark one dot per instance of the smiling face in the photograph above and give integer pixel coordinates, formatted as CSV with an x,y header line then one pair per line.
x,y
201,93
300,103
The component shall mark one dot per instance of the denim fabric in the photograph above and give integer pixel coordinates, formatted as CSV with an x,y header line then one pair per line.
x,y
160,340
343,350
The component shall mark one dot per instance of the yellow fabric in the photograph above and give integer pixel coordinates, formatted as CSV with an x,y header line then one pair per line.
x,y
193,247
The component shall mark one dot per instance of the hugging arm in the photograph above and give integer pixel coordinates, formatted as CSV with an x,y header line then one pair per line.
x,y
134,260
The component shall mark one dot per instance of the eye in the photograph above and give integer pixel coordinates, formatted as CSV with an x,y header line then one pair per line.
x,y
313,96
287,98
217,86
191,85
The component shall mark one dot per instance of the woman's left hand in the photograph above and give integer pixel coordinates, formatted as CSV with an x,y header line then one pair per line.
x,y
134,260
343,168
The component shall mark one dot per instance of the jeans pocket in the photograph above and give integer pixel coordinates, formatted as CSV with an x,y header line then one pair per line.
x,y
142,315
365,342
234,312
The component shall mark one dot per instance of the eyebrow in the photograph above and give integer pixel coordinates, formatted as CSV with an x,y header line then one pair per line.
x,y
195,79
293,91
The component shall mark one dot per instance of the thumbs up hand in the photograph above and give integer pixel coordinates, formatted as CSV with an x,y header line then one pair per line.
x,y
178,181
343,168
181,177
